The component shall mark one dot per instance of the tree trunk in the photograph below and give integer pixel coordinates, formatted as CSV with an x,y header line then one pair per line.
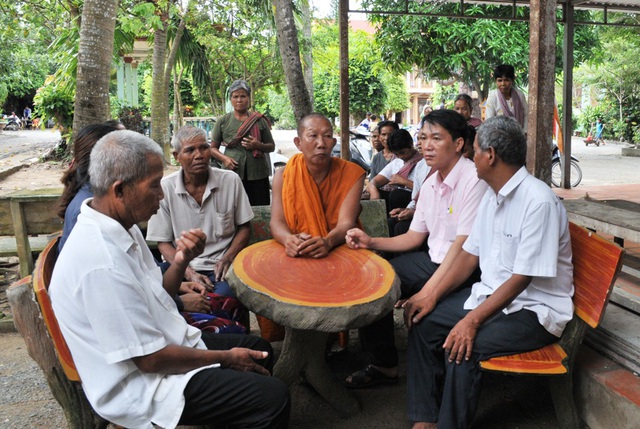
x,y
160,93
162,68
95,55
290,53
177,100
307,49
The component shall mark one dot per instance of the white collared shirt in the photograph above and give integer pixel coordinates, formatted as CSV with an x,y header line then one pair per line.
x,y
524,230
107,295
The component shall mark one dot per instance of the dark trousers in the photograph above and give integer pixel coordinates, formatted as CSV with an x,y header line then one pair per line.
x,y
396,198
234,399
378,338
398,227
258,191
447,393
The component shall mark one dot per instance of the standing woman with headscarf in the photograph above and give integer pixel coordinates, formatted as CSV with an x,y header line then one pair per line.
x,y
506,100
248,141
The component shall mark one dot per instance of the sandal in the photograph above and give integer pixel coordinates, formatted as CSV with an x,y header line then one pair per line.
x,y
369,377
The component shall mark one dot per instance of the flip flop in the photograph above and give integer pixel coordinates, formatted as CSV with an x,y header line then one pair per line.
x,y
369,377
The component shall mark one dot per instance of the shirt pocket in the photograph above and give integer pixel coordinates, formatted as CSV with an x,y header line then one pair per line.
x,y
224,224
508,248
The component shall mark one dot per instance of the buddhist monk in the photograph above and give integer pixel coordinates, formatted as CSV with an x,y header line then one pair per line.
x,y
316,197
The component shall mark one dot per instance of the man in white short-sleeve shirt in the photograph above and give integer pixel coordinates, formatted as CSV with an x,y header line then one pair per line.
x,y
139,361
198,196
520,240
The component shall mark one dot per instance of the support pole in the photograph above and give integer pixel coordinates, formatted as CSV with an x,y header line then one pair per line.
x,y
541,86
345,153
567,99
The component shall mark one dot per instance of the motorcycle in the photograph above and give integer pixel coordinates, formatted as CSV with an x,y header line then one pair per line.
x,y
556,169
13,124
359,146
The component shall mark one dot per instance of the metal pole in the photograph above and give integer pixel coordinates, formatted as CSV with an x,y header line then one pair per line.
x,y
345,153
567,99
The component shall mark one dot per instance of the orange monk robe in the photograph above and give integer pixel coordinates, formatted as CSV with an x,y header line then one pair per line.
x,y
312,208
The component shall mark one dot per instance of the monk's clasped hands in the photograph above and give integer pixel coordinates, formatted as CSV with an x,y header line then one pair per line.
x,y
304,245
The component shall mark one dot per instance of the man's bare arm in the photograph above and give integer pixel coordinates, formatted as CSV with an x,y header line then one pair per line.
x,y
279,229
459,342
174,359
168,252
190,244
239,242
448,263
374,186
416,309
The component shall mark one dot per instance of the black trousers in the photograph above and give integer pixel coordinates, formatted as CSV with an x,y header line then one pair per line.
x,y
378,338
228,398
447,392
258,191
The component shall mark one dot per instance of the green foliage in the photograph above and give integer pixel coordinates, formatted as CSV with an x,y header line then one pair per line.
x,y
3,92
239,43
53,103
464,49
24,61
614,74
131,118
372,87
277,106
446,94
396,90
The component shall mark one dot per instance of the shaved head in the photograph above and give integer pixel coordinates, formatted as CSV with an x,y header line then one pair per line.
x,y
303,122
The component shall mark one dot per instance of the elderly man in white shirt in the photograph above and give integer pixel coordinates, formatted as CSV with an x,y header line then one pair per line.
x,y
520,239
139,362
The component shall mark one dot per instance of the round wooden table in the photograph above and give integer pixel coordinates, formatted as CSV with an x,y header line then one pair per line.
x,y
311,298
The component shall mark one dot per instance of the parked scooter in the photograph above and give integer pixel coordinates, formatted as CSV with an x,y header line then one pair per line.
x,y
360,147
556,169
13,124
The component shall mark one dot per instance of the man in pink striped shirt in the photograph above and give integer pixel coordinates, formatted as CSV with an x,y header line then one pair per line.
x,y
444,215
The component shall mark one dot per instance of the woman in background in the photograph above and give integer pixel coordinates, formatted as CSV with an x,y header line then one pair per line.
x,y
464,106
247,139
506,100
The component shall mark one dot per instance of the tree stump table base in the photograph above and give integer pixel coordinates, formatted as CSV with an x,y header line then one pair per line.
x,y
303,355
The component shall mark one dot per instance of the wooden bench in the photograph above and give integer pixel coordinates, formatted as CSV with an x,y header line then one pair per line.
x,y
30,217
45,343
596,264
618,218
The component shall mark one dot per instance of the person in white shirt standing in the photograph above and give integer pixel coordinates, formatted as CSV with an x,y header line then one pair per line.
x,y
520,240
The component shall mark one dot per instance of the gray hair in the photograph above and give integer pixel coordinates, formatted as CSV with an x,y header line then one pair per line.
x,y
187,134
120,155
239,84
506,136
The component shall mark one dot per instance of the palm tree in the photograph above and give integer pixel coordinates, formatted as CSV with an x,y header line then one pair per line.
x,y
95,55
290,54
